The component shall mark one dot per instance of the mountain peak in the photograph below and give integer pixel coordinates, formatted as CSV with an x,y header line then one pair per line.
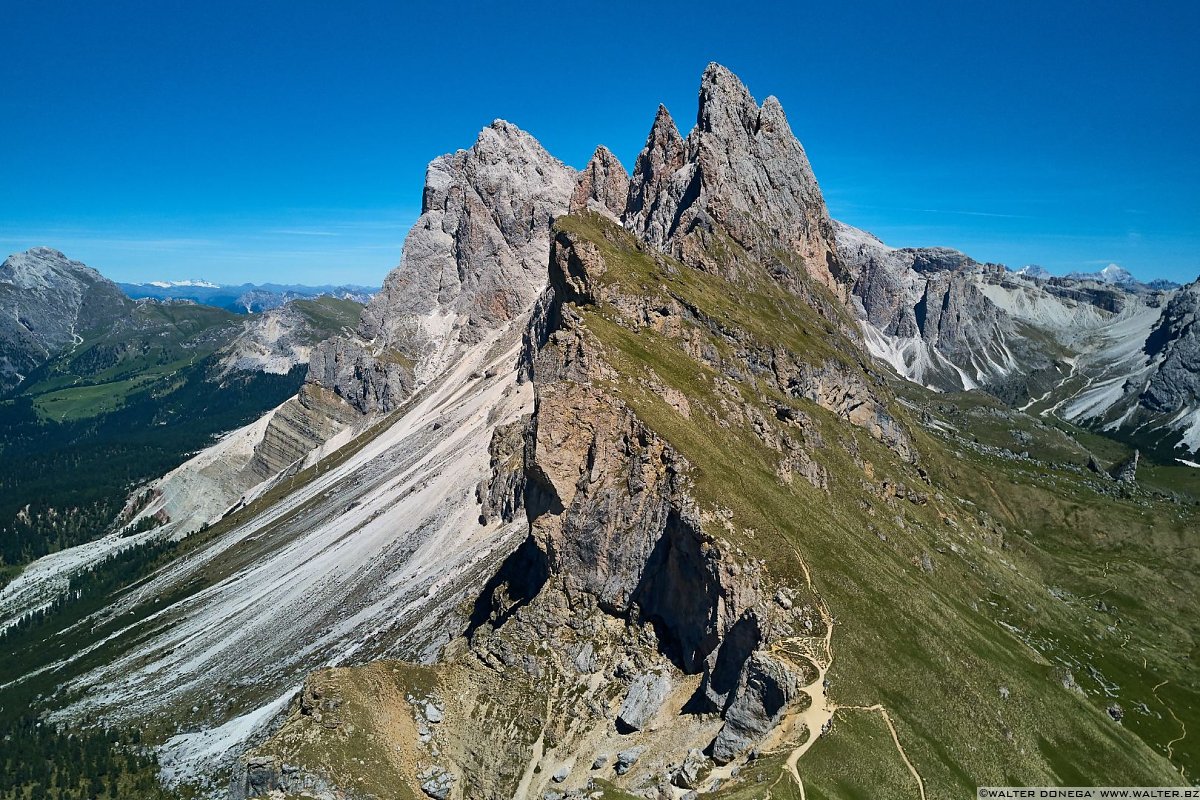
x,y
41,251
1034,271
1114,273
48,300
39,266
664,130
602,186
724,99
478,252
741,169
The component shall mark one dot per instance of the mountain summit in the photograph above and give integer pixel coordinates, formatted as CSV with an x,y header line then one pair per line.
x,y
740,170
659,483
49,301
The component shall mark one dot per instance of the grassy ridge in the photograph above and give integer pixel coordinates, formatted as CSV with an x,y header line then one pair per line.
x,y
969,655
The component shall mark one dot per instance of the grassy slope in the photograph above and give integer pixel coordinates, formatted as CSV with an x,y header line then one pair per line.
x,y
328,316
98,375
930,647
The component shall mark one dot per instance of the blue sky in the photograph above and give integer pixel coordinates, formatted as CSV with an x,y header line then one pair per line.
x,y
287,141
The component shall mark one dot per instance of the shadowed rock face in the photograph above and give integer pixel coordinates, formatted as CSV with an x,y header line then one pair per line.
x,y
1176,382
739,173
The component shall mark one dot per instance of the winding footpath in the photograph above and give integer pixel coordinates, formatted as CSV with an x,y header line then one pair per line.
x,y
1182,728
817,717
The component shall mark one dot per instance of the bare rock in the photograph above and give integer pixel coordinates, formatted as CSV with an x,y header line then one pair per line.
x,y
645,697
764,692
49,299
478,250
474,260
740,170
688,774
1127,472
627,758
1175,383
603,186
369,383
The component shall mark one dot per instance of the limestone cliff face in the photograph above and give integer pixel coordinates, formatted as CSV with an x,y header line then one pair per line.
x,y
602,186
365,381
1175,384
620,550
944,320
473,262
611,511
477,254
933,321
741,173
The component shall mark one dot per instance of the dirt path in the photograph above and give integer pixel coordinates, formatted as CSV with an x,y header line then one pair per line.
x,y
1182,728
819,713
887,720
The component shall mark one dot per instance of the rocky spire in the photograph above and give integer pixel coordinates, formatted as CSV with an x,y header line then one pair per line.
x,y
655,188
479,249
602,186
740,170
474,260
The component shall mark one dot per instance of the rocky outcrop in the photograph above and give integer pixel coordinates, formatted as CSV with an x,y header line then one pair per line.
x,y
626,533
1126,472
769,687
473,262
297,428
603,186
739,173
646,696
47,303
1175,384
503,494
476,256
368,382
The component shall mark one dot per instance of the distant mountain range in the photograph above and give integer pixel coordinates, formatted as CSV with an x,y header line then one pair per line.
x,y
1113,274
247,298
99,392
